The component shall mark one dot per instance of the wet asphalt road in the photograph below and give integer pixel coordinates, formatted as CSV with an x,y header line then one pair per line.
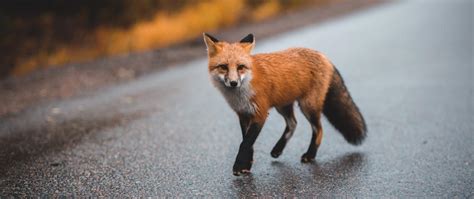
x,y
407,64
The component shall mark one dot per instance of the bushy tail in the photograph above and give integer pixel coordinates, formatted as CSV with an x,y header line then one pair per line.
x,y
343,113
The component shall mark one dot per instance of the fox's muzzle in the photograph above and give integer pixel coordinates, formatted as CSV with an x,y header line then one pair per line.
x,y
233,80
232,83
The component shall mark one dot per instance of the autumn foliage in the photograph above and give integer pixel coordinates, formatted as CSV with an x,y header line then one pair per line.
x,y
45,33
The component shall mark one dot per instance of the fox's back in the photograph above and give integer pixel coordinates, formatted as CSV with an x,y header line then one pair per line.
x,y
290,74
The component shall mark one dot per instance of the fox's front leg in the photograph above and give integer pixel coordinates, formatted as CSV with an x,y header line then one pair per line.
x,y
244,120
251,126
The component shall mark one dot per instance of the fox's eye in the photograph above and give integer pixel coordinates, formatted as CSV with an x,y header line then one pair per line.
x,y
222,66
240,67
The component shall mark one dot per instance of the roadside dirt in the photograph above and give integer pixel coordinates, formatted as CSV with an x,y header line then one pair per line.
x,y
19,93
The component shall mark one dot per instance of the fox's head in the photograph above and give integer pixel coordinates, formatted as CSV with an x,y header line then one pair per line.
x,y
230,64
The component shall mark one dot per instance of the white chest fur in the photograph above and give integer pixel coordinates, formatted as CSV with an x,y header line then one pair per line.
x,y
239,99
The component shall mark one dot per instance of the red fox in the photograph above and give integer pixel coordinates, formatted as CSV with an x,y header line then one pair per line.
x,y
252,84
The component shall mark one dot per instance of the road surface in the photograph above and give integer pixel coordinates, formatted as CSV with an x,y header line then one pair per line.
x,y
408,65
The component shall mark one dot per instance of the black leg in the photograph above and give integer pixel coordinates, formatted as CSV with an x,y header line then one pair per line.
x,y
288,113
243,161
244,121
315,141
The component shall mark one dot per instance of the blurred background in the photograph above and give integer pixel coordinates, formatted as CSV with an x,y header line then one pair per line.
x,y
37,34
57,49
112,98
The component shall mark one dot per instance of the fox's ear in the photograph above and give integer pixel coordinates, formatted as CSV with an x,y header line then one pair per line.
x,y
210,43
248,43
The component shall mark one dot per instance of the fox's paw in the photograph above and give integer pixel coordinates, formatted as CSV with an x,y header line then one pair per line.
x,y
275,154
241,168
307,158
278,148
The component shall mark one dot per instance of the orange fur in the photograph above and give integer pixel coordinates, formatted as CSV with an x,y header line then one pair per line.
x,y
252,84
281,78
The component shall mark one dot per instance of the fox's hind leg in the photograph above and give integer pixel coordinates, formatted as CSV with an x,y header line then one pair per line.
x,y
312,112
288,113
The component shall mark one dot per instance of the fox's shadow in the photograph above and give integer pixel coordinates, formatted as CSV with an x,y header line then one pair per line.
x,y
329,174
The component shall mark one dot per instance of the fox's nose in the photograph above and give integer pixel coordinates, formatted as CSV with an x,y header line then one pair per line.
x,y
233,83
